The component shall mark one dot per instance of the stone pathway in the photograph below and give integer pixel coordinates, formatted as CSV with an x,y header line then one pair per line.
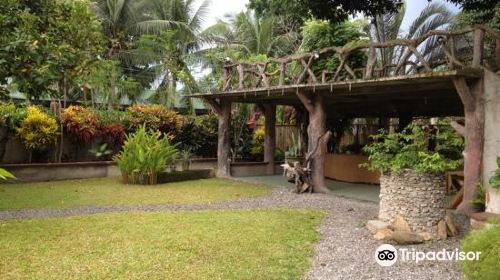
x,y
345,251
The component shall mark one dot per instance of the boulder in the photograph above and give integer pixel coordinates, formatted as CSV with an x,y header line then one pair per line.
x,y
383,234
427,236
400,224
375,225
406,237
442,231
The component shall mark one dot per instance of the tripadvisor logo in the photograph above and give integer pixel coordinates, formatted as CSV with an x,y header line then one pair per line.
x,y
387,255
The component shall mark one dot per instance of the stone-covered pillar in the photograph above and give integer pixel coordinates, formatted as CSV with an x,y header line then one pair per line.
x,y
491,138
270,137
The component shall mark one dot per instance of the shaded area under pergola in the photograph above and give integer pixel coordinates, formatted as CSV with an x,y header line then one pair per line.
x,y
430,94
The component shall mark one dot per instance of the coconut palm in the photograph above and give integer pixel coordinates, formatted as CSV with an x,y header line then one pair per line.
x,y
387,27
253,35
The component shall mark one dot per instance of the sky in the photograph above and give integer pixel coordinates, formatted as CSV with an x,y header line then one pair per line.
x,y
219,8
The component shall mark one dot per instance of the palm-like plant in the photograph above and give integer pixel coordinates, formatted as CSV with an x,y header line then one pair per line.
x,y
387,27
253,35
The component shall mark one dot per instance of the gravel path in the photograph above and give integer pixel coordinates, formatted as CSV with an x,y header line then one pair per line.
x,y
345,251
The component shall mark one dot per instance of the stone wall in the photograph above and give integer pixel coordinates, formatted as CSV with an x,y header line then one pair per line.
x,y
419,199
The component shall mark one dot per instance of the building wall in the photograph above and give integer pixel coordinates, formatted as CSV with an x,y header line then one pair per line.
x,y
346,168
491,138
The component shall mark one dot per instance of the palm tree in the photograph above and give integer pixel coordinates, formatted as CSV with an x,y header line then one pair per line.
x,y
253,35
387,27
175,43
125,22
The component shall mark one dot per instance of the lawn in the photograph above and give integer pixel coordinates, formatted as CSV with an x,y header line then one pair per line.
x,y
110,191
213,244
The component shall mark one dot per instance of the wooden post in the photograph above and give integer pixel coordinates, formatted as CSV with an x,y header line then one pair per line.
x,y
315,106
477,59
270,137
473,133
223,110
241,76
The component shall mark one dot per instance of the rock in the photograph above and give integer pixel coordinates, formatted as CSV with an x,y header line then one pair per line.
x,y
383,234
399,224
406,237
427,236
375,225
442,232
450,225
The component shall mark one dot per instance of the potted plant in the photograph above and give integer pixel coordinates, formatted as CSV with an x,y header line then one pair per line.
x,y
185,159
295,151
412,164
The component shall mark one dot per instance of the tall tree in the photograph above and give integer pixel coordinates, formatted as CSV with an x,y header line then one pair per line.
x,y
45,42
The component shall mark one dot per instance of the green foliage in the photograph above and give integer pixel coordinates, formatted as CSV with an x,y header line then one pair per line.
x,y
296,149
46,42
198,134
258,142
479,201
11,116
241,134
155,117
486,241
101,151
38,130
319,34
81,122
144,154
298,11
410,149
4,174
495,179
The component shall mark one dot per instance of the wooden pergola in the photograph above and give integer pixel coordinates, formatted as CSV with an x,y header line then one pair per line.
x,y
414,86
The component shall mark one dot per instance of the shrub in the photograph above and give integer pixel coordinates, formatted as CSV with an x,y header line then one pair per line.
x,y
38,130
410,149
258,142
495,179
11,116
486,241
4,174
206,131
83,123
198,134
144,154
155,117
113,134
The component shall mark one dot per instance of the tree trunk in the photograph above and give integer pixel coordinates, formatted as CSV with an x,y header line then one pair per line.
x,y
473,133
314,104
270,137
224,145
223,110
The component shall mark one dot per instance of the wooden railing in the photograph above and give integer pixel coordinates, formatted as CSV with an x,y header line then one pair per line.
x,y
474,47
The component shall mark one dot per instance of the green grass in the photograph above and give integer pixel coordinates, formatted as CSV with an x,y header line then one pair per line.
x,y
110,191
216,244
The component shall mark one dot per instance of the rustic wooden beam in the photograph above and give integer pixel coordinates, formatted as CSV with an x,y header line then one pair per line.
x,y
213,104
478,54
241,76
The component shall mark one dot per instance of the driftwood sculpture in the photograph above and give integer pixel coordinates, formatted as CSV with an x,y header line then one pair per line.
x,y
301,174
